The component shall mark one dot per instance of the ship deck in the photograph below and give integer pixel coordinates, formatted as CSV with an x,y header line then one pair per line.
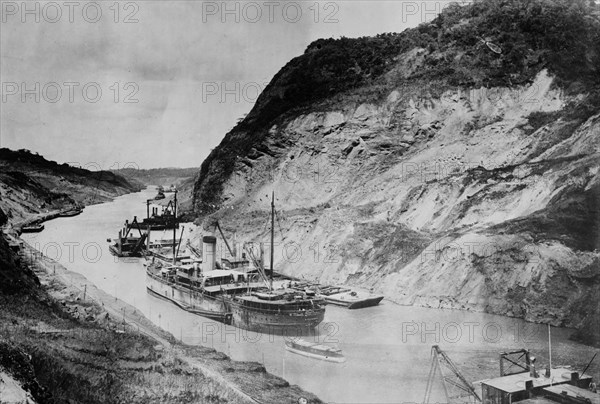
x,y
516,382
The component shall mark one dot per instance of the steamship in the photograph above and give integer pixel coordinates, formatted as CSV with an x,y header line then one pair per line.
x,y
243,298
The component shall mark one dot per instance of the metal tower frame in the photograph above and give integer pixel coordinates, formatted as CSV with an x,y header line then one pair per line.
x,y
440,363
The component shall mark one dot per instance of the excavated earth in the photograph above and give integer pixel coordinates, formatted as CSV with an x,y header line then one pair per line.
x,y
483,200
453,165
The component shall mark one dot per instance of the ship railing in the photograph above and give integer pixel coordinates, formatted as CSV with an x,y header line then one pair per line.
x,y
307,311
172,283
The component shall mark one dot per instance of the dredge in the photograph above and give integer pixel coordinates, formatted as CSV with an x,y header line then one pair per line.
x,y
126,244
164,220
129,245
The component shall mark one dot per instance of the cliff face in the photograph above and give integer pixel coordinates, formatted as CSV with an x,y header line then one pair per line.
x,y
448,175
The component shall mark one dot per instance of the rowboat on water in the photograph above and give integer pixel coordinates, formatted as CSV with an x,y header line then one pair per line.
x,y
314,350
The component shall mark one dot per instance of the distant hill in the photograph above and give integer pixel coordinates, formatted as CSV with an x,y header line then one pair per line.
x,y
30,185
159,176
182,178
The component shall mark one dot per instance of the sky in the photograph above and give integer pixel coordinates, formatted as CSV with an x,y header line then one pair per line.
x,y
153,83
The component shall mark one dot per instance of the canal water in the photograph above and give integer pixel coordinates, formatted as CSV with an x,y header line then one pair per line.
x,y
387,348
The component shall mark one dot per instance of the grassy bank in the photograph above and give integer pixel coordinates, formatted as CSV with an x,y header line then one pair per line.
x,y
68,341
32,187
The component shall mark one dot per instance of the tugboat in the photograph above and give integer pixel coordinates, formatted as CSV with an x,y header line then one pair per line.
x,y
314,350
159,193
232,295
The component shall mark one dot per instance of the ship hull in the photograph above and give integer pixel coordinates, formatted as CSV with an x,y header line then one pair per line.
x,y
70,213
115,251
157,226
225,310
357,304
32,229
276,323
337,359
189,300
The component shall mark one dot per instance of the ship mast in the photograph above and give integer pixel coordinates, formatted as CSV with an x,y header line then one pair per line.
x,y
272,239
174,226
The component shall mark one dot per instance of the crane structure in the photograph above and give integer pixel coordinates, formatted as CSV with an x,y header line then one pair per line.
x,y
456,388
522,362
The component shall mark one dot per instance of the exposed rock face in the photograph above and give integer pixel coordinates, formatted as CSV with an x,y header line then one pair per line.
x,y
476,198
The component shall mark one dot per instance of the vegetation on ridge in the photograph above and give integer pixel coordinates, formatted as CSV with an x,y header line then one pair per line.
x,y
562,36
32,187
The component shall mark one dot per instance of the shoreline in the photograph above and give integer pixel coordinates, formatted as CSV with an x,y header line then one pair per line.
x,y
126,319
443,304
47,216
425,301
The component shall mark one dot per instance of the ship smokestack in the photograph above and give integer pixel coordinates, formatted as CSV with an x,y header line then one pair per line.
x,y
208,253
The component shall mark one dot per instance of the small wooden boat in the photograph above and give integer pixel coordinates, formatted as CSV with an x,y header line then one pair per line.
x,y
349,298
32,228
314,350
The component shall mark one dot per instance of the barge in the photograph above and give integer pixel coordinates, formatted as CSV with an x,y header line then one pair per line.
x,y
70,212
349,298
32,228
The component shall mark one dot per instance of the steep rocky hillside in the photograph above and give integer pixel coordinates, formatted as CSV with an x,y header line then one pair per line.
x,y
31,186
429,167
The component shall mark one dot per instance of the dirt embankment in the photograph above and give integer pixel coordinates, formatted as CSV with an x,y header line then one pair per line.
x,y
68,341
35,189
